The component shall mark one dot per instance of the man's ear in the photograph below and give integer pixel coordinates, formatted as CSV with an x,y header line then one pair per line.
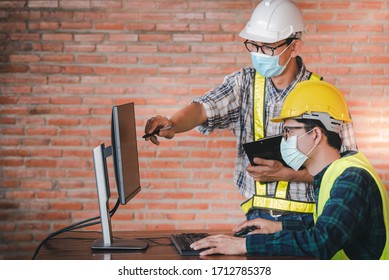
x,y
319,134
297,47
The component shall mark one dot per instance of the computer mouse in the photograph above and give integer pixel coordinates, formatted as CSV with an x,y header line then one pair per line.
x,y
243,232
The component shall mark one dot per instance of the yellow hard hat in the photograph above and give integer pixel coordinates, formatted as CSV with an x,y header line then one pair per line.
x,y
311,97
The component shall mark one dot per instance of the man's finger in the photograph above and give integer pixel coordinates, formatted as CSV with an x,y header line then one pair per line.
x,y
261,161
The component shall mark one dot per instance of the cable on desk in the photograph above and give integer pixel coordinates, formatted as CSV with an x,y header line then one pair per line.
x,y
153,240
82,224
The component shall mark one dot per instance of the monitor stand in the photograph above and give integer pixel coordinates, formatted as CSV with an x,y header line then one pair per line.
x,y
100,154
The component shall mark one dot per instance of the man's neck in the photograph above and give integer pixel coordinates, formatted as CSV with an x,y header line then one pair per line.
x,y
287,77
321,158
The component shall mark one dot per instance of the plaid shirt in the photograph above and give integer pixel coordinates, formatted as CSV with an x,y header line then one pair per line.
x,y
352,220
230,106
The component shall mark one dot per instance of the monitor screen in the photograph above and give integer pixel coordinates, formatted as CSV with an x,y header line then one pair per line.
x,y
125,151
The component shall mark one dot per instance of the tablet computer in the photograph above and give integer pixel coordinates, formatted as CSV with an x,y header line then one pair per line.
x,y
266,148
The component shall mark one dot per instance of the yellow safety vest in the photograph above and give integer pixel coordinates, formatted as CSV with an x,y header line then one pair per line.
x,y
261,200
332,173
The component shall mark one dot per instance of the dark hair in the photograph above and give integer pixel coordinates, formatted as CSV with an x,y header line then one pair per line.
x,y
333,138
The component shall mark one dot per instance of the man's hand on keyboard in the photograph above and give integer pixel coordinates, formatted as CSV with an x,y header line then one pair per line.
x,y
221,244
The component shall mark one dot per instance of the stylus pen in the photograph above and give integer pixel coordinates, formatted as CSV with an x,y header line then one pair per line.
x,y
157,131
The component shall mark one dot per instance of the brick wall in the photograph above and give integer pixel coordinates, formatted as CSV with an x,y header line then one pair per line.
x,y
64,64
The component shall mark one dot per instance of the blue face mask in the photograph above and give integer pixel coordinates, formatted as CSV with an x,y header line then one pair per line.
x,y
291,154
268,66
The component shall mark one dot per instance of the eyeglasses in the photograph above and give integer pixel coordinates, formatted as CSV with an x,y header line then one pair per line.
x,y
265,49
286,130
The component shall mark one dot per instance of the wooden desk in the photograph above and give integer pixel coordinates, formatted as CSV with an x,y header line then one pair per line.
x,y
77,246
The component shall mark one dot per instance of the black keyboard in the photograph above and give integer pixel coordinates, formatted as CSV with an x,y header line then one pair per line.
x,y
182,241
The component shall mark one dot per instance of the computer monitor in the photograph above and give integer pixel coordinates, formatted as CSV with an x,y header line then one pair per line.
x,y
124,153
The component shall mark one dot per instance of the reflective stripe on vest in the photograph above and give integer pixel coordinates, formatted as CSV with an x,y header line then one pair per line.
x,y
332,173
260,200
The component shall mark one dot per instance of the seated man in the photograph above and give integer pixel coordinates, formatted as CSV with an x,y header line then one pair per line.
x,y
352,205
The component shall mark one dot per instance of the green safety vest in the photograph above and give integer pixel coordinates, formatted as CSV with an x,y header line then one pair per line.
x,y
332,173
261,200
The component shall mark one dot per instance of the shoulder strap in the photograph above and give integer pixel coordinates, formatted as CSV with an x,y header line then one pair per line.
x,y
259,106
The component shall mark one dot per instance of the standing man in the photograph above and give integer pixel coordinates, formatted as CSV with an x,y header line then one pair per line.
x,y
352,207
246,102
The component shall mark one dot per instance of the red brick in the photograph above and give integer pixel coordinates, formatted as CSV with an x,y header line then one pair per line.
x,y
157,17
91,59
58,58
40,163
71,163
24,37
66,100
174,70
32,100
69,4
122,16
75,25
44,25
219,16
109,26
174,49
89,37
194,206
41,131
367,5
340,28
24,58
79,48
224,38
57,79
188,37
163,206
173,174
12,131
122,59
54,215
180,216
35,142
57,37
8,100
13,68
63,122
141,48
66,142
177,195
35,184
16,90
5,120
108,4
71,206
111,48
379,60
45,69
109,70
14,26
77,70
49,47
30,79
12,4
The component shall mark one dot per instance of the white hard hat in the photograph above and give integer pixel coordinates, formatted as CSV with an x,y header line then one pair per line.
x,y
273,21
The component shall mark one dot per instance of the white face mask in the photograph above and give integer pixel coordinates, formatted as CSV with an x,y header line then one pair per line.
x,y
291,154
